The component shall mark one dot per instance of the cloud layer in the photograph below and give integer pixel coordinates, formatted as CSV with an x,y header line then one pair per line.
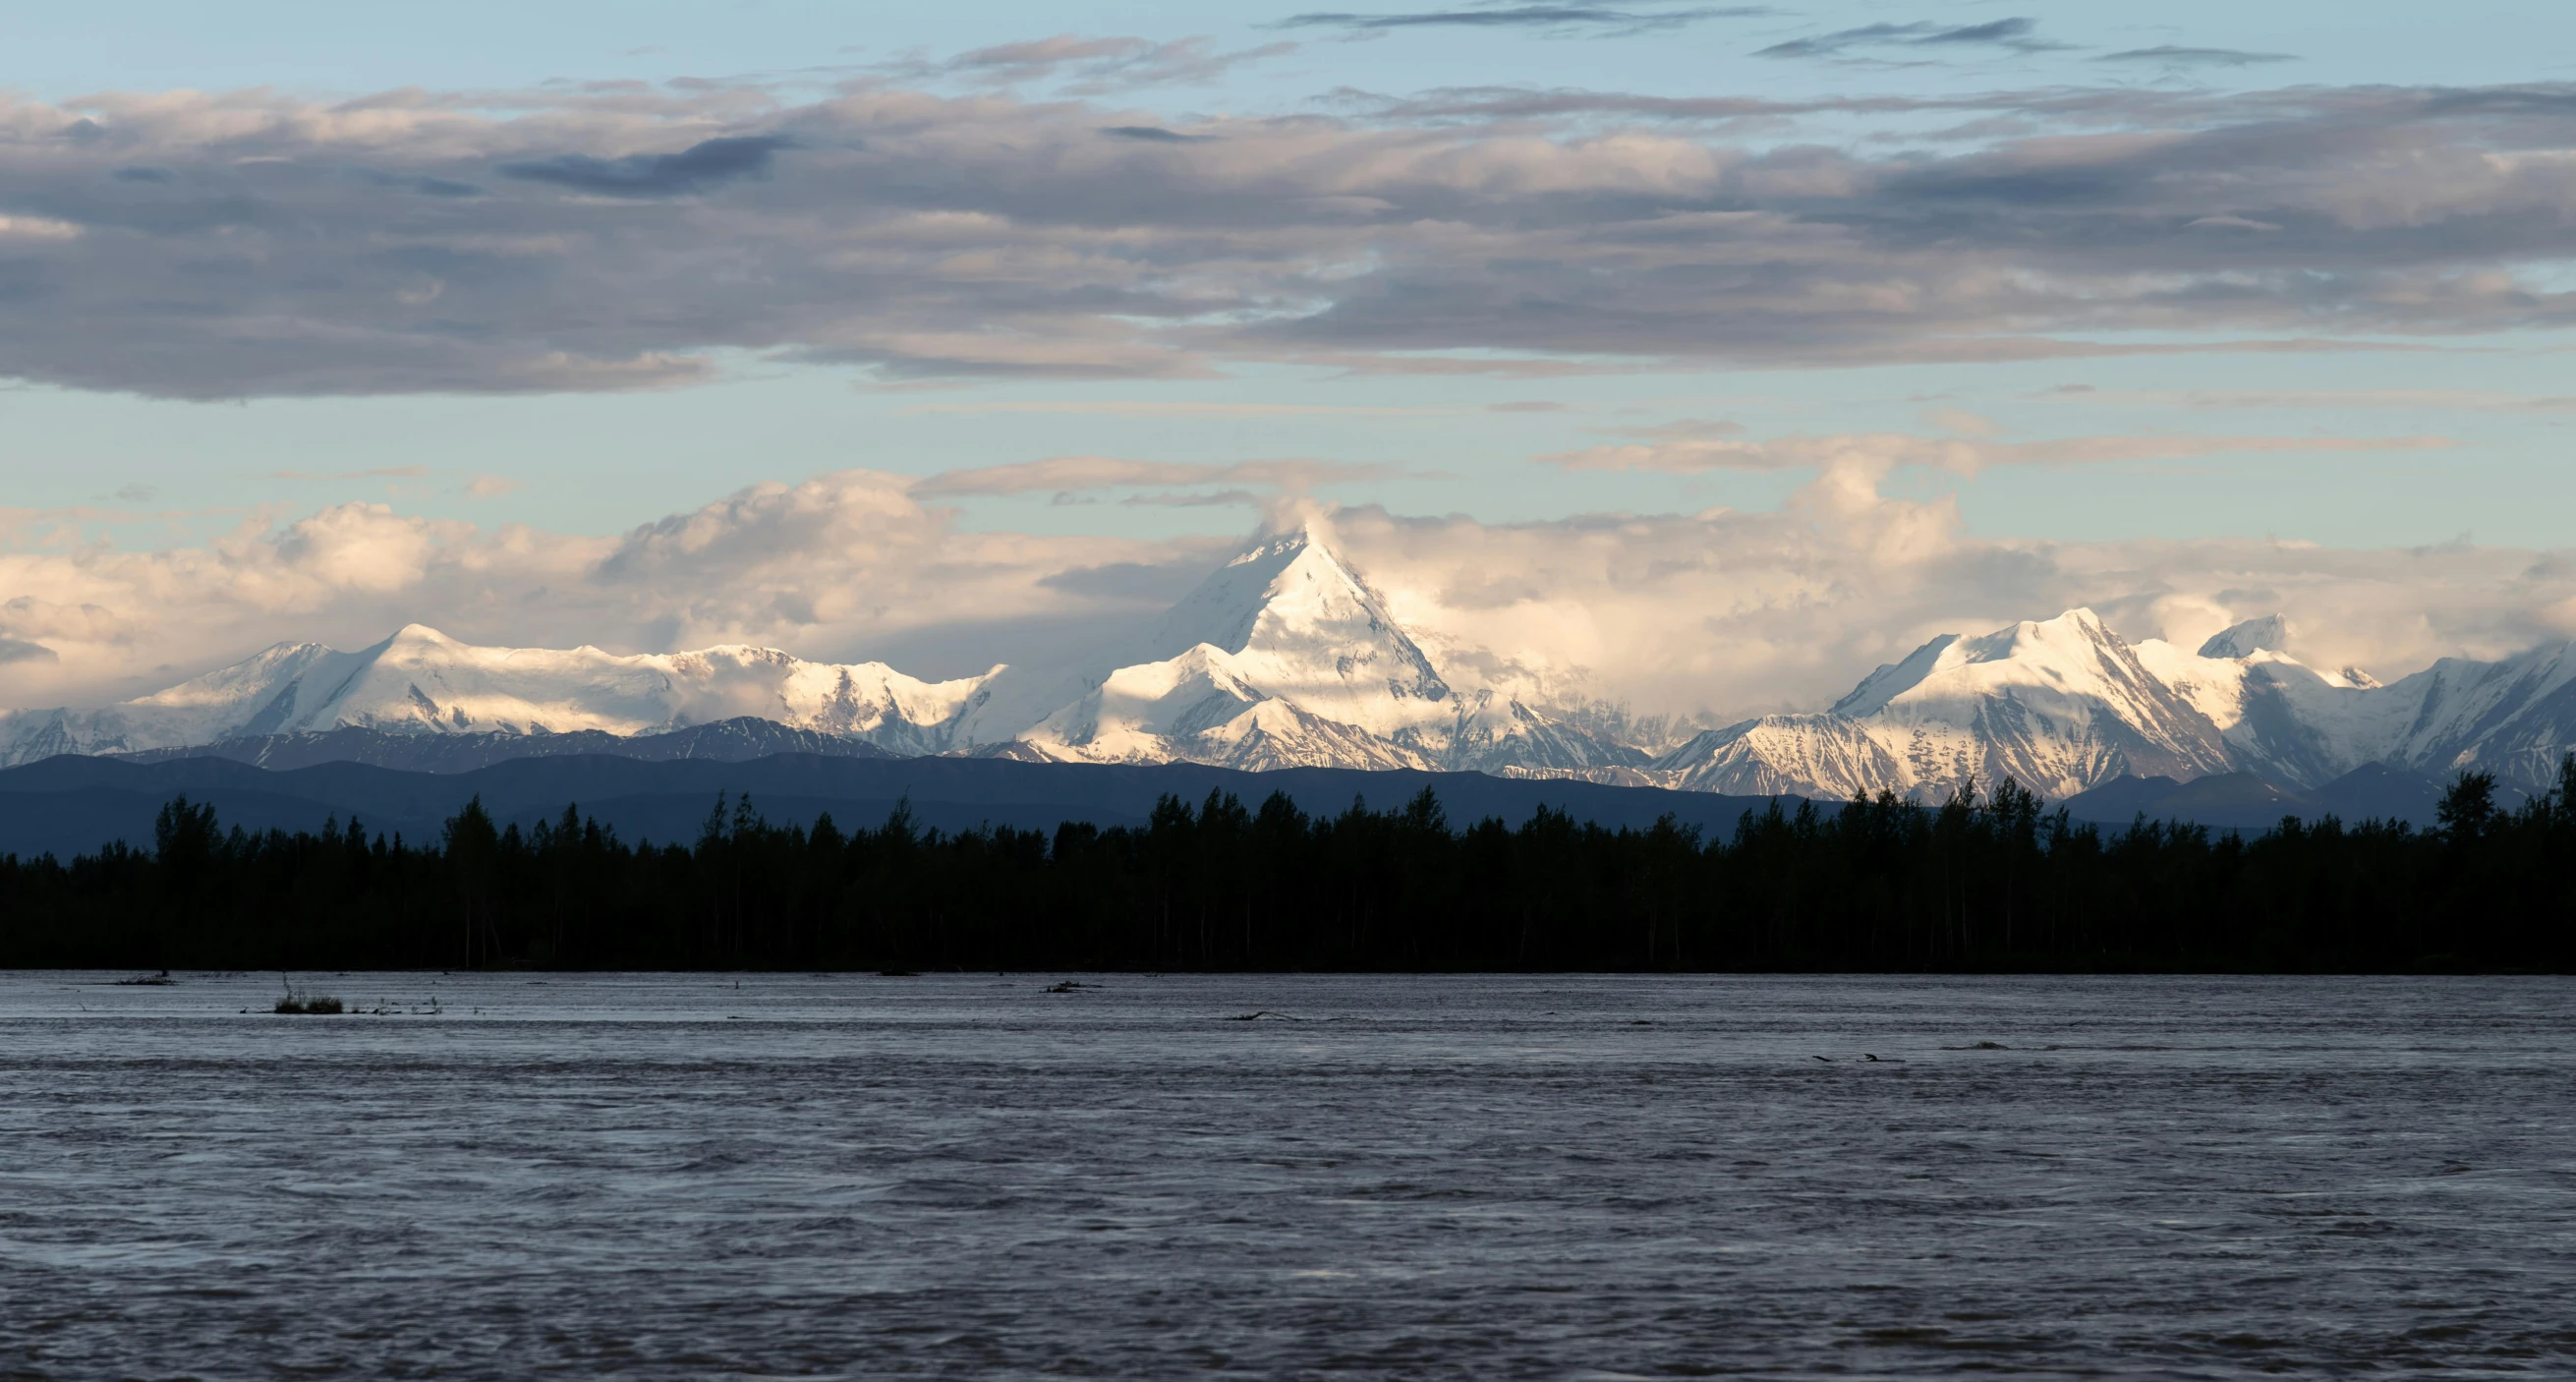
x,y
1690,446
1585,20
1714,615
2017,35
623,237
842,565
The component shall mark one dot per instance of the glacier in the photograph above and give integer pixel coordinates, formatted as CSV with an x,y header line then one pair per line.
x,y
1285,656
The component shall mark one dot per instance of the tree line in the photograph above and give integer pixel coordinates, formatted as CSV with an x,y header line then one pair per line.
x,y
1984,881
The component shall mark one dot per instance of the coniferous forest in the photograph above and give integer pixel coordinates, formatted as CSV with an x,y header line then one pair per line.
x,y
1987,881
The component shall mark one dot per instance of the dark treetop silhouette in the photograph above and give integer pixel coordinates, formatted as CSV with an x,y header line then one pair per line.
x,y
1981,882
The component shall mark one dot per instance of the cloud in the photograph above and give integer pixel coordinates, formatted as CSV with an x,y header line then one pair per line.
x,y
1044,57
1690,447
1724,614
37,228
703,165
1127,580
19,650
1096,66
1070,473
1159,407
1153,133
2463,400
2015,35
837,566
1962,421
911,236
1219,499
1712,615
1591,20
59,526
491,486
2169,55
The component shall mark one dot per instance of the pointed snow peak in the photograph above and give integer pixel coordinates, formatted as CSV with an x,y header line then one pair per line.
x,y
2083,619
2271,633
2078,634
1284,544
413,641
1292,578
2078,627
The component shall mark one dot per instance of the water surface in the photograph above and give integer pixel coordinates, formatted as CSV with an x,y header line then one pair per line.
x,y
972,1176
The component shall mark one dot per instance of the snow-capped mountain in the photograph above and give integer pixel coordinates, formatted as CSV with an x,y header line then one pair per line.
x,y
1283,657
2065,704
1287,657
1280,658
2059,706
421,681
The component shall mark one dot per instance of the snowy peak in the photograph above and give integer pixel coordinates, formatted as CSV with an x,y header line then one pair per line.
x,y
2074,653
1225,608
2066,704
1286,656
1292,599
2077,634
1286,616
421,681
2515,718
2271,633
2057,704
1283,655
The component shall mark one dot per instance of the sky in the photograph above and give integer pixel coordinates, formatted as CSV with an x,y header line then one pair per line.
x,y
1699,355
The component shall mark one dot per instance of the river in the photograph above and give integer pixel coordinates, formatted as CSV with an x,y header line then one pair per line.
x,y
993,1176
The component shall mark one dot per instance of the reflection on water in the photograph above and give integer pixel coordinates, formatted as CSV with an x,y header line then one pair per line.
x,y
669,1176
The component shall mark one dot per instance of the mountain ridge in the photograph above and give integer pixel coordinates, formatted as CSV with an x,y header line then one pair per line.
x,y
1286,657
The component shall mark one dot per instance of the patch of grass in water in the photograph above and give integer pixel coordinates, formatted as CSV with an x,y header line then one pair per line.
x,y
304,1003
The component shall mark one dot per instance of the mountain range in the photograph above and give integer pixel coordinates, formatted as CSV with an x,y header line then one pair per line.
x,y
1286,657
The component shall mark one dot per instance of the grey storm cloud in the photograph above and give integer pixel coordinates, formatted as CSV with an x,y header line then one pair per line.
x,y
702,165
1153,132
2017,34
2170,55
630,239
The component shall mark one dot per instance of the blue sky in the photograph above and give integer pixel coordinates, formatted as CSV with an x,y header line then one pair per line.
x,y
2105,282
62,51
601,462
